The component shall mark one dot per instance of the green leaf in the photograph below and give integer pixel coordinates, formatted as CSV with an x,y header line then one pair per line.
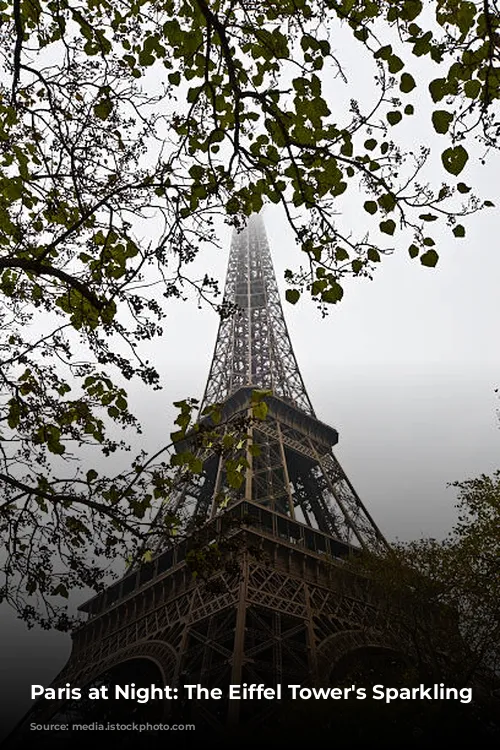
x,y
454,159
394,117
370,144
387,202
361,34
292,296
233,206
384,53
371,207
472,88
14,414
459,231
438,89
388,226
259,394
373,255
333,294
174,78
429,258
260,410
441,119
395,64
346,148
409,109
103,109
413,250
407,83
463,188
12,189
60,590
410,9
318,286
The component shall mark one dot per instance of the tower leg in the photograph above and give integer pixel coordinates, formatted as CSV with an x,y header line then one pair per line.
x,y
239,643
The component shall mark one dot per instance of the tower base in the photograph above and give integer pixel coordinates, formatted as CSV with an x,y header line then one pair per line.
x,y
283,610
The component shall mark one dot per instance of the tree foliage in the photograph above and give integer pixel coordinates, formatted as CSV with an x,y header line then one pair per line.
x,y
232,101
124,128
449,591
62,535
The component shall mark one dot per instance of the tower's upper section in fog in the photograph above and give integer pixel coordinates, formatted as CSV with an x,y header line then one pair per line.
x,y
253,346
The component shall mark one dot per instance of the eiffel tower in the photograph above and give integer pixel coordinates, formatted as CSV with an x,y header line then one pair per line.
x,y
288,612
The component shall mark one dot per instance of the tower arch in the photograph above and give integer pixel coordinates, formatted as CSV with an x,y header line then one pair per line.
x,y
365,654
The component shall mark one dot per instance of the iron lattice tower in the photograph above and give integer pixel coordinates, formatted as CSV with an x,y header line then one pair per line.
x,y
253,348
295,473
288,612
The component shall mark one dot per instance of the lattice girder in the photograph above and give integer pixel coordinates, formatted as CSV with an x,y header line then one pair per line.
x,y
295,473
253,347
275,621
